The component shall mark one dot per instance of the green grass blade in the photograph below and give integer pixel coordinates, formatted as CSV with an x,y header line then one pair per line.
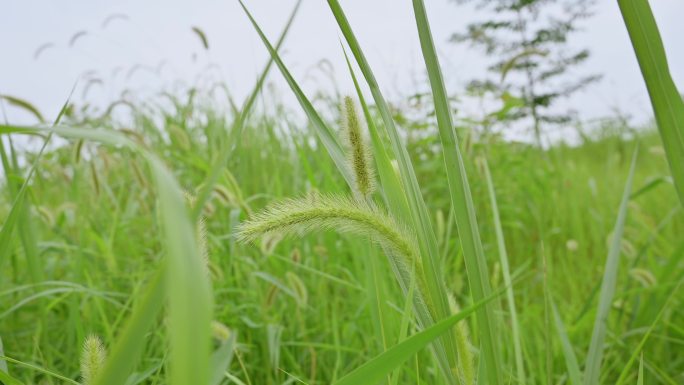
x,y
406,317
221,360
9,224
568,353
667,102
503,259
640,379
461,201
325,134
19,212
10,129
3,364
379,367
8,380
188,291
41,370
126,352
595,354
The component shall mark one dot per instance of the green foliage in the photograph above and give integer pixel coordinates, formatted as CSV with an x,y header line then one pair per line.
x,y
608,287
148,258
528,44
462,204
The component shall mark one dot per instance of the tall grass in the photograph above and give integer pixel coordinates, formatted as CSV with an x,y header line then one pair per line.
x,y
182,244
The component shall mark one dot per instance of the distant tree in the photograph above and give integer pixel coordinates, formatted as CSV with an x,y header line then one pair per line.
x,y
527,41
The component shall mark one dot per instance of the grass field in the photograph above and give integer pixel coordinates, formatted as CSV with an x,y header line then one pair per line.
x,y
205,245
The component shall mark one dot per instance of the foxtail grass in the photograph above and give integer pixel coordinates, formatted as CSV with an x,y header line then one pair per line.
x,y
334,212
466,369
345,215
358,153
92,359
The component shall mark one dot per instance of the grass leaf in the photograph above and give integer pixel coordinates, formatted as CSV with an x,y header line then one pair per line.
x,y
19,212
220,360
666,100
379,367
188,291
608,283
461,202
419,219
325,133
129,345
503,260
8,380
568,353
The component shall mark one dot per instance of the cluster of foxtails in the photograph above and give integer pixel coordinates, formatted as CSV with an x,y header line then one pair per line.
x,y
359,214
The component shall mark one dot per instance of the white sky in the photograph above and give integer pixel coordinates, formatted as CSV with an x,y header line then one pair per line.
x,y
160,30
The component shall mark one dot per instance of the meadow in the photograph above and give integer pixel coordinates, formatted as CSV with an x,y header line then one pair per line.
x,y
245,245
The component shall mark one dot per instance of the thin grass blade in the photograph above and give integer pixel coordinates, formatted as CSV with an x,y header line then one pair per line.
x,y
19,212
325,133
461,201
130,344
608,283
574,372
419,218
188,292
221,360
503,260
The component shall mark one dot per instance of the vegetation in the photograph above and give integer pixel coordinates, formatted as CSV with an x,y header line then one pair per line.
x,y
201,246
528,42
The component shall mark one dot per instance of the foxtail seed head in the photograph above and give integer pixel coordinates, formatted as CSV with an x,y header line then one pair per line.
x,y
339,213
220,331
344,215
465,370
358,154
92,358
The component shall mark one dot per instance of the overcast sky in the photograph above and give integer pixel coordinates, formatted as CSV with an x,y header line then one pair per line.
x,y
159,31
